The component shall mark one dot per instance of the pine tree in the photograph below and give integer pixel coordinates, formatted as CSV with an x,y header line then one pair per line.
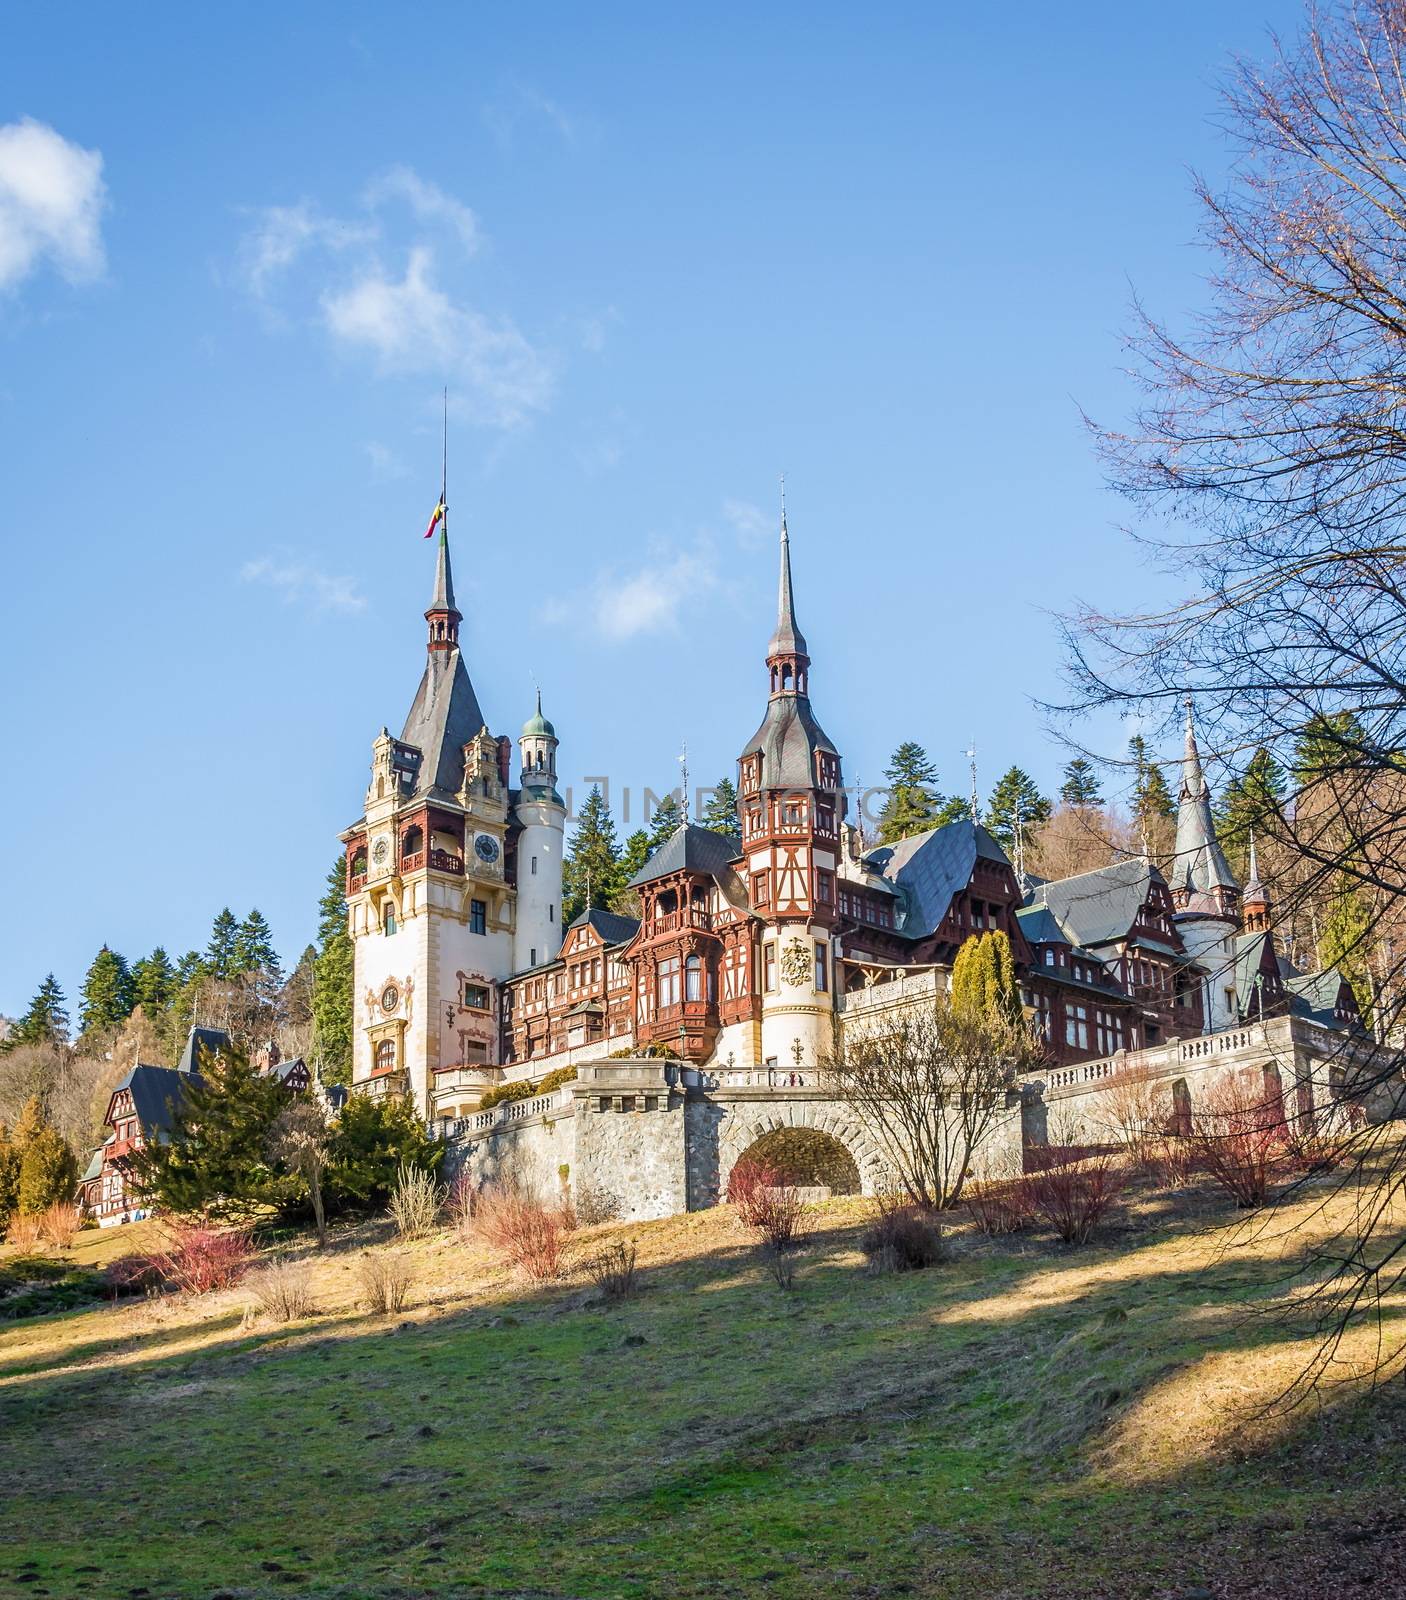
x,y
1250,805
46,1021
216,1158
333,1003
108,993
913,800
153,983
983,977
635,854
721,815
1080,786
373,1140
221,954
48,1172
664,824
1016,795
1328,742
1345,944
11,1158
253,949
591,871
1151,796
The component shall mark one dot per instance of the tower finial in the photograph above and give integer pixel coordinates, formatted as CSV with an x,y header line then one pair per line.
x,y
683,764
975,801
788,640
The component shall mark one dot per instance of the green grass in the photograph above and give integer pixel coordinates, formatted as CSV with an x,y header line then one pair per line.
x,y
953,1432
36,1286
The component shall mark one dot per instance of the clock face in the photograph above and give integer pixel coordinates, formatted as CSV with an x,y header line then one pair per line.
x,y
486,847
390,997
381,850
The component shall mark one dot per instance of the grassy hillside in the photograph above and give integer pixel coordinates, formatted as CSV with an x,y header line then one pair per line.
x,y
1028,1421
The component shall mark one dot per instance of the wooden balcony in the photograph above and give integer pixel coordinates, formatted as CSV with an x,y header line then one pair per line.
x,y
675,921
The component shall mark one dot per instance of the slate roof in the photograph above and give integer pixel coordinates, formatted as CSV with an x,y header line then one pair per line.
x,y
1200,867
689,849
788,739
1097,907
282,1072
1038,925
212,1039
927,869
1314,995
1249,953
156,1092
611,928
444,717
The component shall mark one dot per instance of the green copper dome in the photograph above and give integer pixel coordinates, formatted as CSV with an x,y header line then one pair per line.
x,y
537,724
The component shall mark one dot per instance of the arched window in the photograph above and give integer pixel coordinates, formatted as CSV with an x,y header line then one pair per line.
x,y
693,979
388,923
385,1055
412,841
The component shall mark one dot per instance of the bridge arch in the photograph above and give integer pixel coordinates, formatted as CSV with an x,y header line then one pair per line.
x,y
749,1124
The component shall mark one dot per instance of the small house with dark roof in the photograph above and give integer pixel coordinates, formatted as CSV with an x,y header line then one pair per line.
x,y
140,1112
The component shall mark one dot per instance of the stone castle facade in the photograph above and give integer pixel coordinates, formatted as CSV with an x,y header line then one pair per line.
x,y
700,1026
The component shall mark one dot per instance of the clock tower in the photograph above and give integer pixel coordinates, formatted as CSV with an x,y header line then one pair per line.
x,y
430,900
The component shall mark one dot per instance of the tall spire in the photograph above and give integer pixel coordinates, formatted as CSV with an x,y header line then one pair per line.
x,y
443,615
1201,878
786,656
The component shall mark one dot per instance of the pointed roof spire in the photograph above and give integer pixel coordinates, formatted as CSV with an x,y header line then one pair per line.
x,y
788,640
443,577
1201,878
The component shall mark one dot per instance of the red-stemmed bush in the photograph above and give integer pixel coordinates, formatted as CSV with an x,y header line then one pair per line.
x,y
132,1275
903,1237
999,1205
1238,1137
747,1185
524,1228
1073,1197
200,1257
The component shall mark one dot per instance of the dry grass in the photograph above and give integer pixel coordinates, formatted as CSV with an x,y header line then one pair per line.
x,y
385,1281
282,1291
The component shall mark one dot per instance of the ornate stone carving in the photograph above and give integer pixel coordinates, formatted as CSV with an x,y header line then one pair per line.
x,y
796,963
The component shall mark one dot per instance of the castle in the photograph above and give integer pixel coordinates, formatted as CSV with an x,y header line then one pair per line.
x,y
753,952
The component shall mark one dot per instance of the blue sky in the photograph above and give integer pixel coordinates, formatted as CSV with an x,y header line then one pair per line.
x,y
659,256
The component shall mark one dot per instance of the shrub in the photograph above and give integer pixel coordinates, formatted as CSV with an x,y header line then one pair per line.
x,y
1308,1153
202,1257
781,1266
1238,1138
903,1238
1073,1197
373,1140
283,1290
385,1281
746,1185
554,1080
132,1275
1168,1162
780,1212
613,1271
24,1232
415,1204
48,1172
501,1093
595,1205
461,1203
58,1224
999,1205
524,1228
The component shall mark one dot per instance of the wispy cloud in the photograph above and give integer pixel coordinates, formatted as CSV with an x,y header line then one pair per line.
x,y
522,101
427,200
301,583
52,198
749,522
411,325
649,600
386,465
407,321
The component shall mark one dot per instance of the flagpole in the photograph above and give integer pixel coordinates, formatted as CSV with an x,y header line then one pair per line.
x,y
444,462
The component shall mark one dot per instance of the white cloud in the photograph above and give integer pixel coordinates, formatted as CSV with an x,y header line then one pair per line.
x,y
282,234
502,116
386,465
52,198
749,522
299,583
427,200
649,601
411,325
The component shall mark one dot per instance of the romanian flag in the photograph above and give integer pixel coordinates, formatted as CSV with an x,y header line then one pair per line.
x,y
437,518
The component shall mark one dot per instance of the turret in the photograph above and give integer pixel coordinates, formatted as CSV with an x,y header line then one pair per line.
x,y
1255,902
541,816
1204,890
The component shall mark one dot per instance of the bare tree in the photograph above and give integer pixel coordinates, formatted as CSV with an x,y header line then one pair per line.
x,y
1272,442
300,1143
929,1084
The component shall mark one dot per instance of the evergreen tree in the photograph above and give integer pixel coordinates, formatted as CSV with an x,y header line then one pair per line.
x,y
721,815
1250,805
216,1158
48,1172
635,854
10,1159
372,1141
664,824
591,871
1016,796
333,1000
254,953
953,809
46,1021
1328,742
1345,944
153,983
913,800
983,977
1152,799
222,953
108,993
1080,786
